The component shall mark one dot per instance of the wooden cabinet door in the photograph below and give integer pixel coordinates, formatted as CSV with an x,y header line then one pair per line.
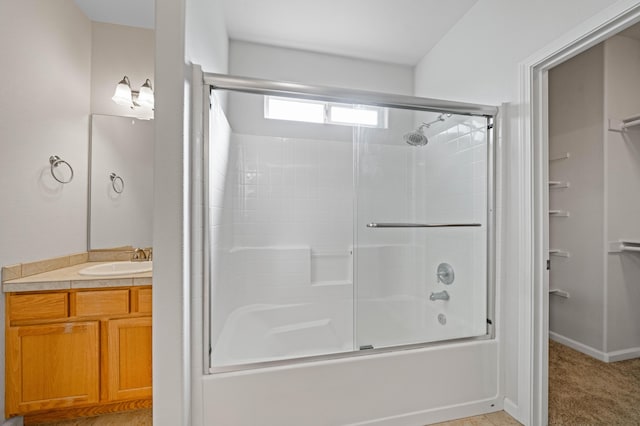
x,y
52,366
129,358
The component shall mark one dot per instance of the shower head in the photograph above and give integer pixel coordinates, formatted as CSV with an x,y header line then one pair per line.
x,y
416,137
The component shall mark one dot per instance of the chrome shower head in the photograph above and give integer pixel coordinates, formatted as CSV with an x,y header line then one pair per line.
x,y
416,137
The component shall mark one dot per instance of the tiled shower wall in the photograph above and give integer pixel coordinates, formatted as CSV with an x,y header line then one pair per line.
x,y
288,228
455,176
288,207
292,192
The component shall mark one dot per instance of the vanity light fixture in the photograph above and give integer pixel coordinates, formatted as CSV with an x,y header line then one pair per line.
x,y
132,98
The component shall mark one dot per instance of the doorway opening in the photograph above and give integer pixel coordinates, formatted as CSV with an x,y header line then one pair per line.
x,y
594,233
540,154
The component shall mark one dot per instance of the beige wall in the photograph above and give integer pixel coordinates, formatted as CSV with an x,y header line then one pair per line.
x,y
622,165
44,111
119,50
576,111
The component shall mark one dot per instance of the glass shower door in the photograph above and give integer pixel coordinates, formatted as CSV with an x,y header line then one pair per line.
x,y
420,225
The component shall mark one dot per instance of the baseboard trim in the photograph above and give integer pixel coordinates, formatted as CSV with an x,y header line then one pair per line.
x,y
437,415
614,356
623,355
580,347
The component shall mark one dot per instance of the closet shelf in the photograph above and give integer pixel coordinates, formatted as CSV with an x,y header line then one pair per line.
x,y
616,125
561,157
557,184
628,245
559,253
560,293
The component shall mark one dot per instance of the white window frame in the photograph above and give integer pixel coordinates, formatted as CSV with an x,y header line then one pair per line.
x,y
382,114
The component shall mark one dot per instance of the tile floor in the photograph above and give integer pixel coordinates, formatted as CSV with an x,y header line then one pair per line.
x,y
499,418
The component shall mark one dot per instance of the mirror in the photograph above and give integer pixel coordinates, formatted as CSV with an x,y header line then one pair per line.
x,y
120,182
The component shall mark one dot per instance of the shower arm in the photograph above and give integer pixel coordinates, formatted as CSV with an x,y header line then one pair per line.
x,y
440,118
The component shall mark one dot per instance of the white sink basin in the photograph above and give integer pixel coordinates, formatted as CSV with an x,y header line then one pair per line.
x,y
118,268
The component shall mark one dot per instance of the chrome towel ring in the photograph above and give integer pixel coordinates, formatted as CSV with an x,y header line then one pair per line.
x,y
117,187
56,162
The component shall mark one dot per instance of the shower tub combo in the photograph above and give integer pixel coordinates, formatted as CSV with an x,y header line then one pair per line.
x,y
349,257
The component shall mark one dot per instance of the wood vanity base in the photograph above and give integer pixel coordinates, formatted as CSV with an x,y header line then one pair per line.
x,y
78,352
92,410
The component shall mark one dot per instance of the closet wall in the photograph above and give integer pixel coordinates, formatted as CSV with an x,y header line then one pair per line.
x,y
622,292
594,175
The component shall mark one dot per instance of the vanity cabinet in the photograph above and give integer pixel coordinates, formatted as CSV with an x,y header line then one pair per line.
x,y
52,365
129,358
78,348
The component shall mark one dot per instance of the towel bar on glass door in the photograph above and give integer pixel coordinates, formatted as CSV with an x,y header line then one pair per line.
x,y
420,225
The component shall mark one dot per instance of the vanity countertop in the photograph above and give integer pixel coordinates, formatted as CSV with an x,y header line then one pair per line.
x,y
68,278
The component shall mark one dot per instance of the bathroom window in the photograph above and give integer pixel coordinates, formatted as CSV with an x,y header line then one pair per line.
x,y
310,111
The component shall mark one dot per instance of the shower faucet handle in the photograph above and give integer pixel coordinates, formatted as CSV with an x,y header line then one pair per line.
x,y
440,295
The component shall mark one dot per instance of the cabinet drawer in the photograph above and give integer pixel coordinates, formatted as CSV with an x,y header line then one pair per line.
x,y
144,300
38,306
105,302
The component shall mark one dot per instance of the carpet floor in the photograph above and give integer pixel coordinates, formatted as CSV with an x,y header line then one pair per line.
x,y
585,391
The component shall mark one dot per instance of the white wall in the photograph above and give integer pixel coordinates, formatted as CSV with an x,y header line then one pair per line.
x,y
119,50
44,111
186,31
495,35
275,63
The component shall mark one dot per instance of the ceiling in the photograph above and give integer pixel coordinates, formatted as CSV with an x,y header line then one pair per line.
x,y
396,31
134,13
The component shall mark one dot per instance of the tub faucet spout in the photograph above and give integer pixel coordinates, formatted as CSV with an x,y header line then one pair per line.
x,y
441,295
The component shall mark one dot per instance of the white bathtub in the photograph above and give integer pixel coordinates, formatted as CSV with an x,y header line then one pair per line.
x,y
420,386
269,332
259,333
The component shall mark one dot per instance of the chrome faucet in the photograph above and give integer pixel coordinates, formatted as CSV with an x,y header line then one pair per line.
x,y
139,255
441,295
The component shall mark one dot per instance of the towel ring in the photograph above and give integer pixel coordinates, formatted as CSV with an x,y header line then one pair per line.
x,y
115,178
56,161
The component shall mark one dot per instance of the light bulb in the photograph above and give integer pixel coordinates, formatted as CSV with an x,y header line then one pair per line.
x,y
145,97
122,95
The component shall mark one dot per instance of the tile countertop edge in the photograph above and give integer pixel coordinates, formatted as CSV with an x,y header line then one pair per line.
x,y
102,282
68,278
39,286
